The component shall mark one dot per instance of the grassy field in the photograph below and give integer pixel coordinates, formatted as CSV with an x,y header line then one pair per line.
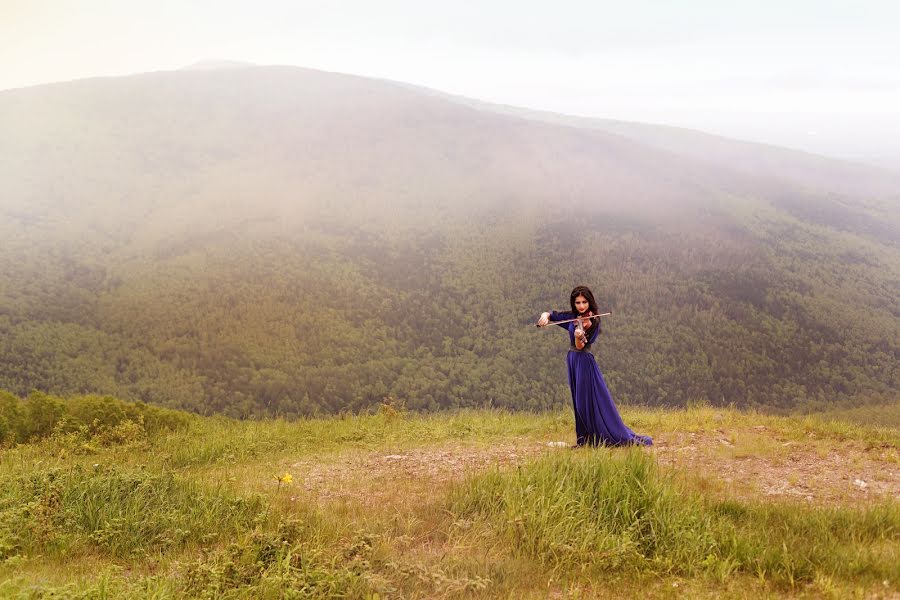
x,y
472,504
883,415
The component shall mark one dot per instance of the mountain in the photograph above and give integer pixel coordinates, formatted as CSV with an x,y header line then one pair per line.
x,y
822,173
275,240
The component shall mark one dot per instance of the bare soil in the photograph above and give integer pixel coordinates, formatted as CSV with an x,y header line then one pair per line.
x,y
412,475
815,473
745,464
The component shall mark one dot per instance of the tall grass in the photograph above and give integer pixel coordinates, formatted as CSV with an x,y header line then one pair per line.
x,y
115,513
236,547
876,415
599,511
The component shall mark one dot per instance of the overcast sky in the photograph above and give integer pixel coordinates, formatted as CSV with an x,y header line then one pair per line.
x,y
814,74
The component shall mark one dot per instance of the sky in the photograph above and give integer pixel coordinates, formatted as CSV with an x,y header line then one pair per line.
x,y
822,76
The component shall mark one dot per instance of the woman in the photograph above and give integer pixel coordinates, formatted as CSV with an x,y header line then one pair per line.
x,y
597,421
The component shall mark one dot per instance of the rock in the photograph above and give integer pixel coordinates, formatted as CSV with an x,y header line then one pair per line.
x,y
860,484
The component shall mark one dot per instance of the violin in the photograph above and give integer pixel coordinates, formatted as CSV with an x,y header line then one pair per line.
x,y
581,323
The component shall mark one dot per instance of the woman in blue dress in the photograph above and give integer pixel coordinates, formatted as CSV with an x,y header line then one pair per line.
x,y
597,420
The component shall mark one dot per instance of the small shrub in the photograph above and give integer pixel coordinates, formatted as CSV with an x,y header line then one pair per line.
x,y
42,413
392,409
11,419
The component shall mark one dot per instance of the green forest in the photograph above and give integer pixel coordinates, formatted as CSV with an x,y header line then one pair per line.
x,y
286,328
333,264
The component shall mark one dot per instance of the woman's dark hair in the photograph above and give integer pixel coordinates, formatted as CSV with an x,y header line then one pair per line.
x,y
583,290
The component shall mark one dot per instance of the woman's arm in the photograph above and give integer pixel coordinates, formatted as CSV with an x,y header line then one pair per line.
x,y
549,317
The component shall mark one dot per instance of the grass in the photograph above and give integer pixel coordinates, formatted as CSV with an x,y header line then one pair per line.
x,y
605,512
879,415
197,511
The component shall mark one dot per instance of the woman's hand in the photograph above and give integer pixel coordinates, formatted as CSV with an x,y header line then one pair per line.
x,y
544,320
579,339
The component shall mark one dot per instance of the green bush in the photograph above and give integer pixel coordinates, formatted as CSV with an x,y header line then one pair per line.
x,y
40,415
11,419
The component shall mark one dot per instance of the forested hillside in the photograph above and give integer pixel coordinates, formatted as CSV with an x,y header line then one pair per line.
x,y
276,241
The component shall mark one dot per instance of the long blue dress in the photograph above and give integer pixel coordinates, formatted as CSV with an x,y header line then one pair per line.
x,y
597,420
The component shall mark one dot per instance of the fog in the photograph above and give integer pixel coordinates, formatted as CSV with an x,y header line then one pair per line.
x,y
822,77
189,238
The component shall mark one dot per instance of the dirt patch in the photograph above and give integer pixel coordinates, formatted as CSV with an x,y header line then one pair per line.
x,y
408,476
745,464
785,469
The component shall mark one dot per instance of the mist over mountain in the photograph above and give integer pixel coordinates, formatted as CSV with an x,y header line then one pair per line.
x,y
216,64
274,240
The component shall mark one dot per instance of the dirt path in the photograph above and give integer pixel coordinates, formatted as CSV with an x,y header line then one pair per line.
x,y
745,464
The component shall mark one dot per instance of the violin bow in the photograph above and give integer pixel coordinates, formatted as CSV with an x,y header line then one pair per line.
x,y
606,314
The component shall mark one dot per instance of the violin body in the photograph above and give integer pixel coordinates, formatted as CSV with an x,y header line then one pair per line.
x,y
580,326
